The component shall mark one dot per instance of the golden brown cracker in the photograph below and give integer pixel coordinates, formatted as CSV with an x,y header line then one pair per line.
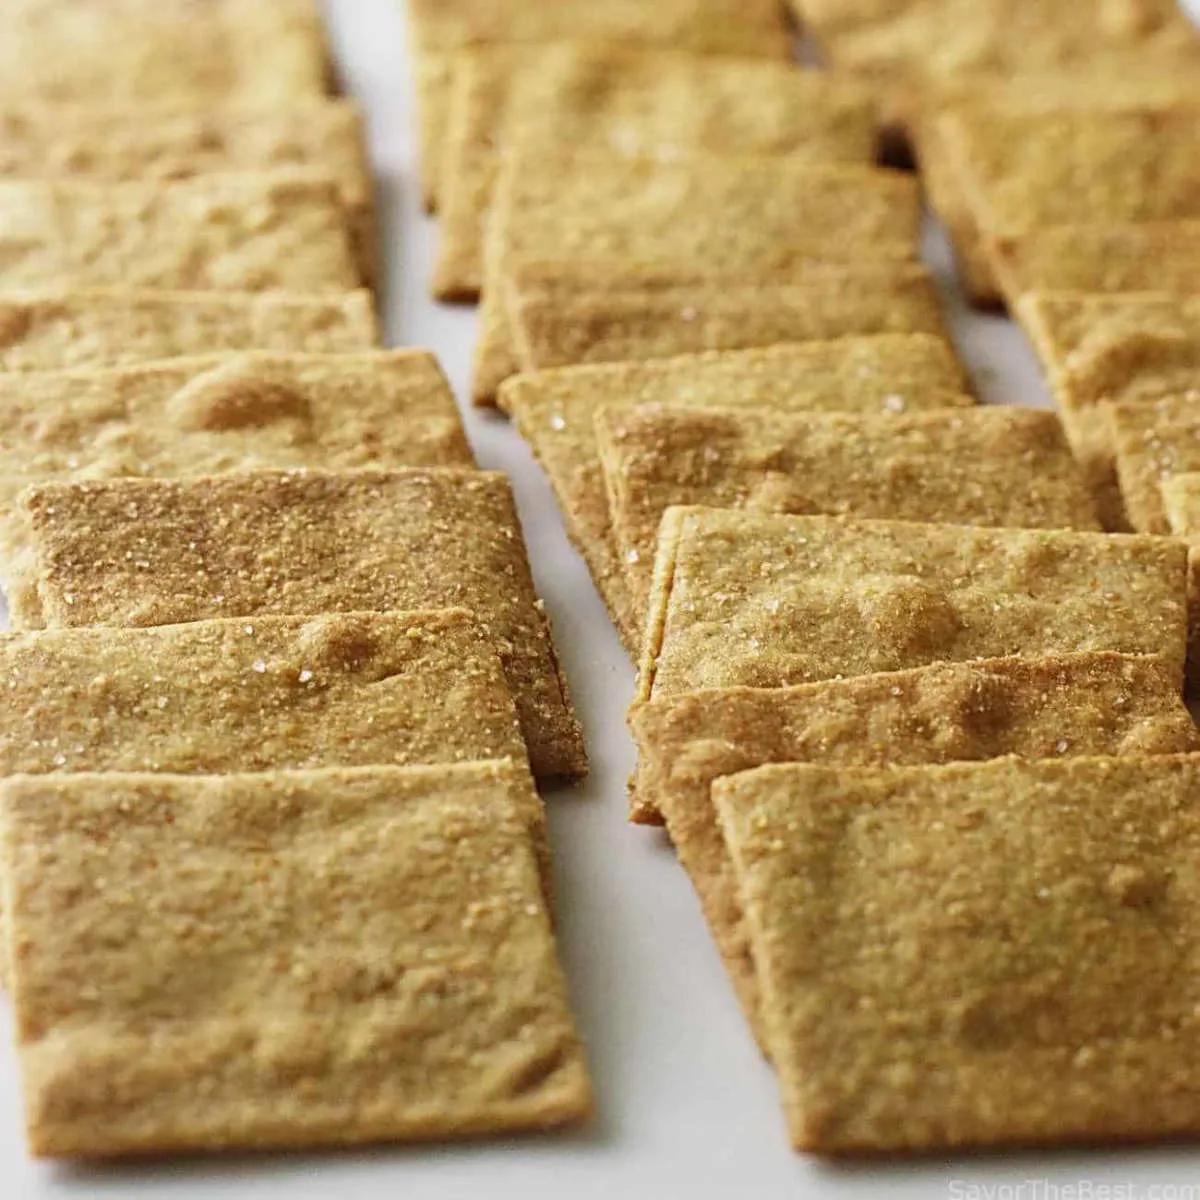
x,y
1075,704
554,412
758,600
105,327
139,552
974,955
1181,505
989,466
291,959
1153,440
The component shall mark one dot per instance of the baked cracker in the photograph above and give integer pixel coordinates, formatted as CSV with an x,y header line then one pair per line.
x,y
1153,440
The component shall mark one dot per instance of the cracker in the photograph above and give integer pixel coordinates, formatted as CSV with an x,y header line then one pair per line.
x,y
289,960
554,412
440,28
207,416
137,552
611,101
1097,348
1181,505
989,466
247,233
556,323
1075,704
1149,256
52,141
1014,171
100,327
974,955
1154,440
756,600
155,52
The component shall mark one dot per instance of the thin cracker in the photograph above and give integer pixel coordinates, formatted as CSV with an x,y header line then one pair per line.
x,y
1154,440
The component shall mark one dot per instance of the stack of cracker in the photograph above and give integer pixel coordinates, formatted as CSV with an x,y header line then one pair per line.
x,y
275,804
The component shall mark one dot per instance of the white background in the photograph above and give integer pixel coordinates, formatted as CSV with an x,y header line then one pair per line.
x,y
686,1107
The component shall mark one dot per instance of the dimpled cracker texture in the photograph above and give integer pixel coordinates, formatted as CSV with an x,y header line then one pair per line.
x,y
557,323
440,28
207,416
55,141
290,960
245,233
139,552
1127,347
215,697
756,600
617,223
614,101
989,466
1159,256
156,52
554,411
1154,440
1181,504
1075,704
975,955
99,327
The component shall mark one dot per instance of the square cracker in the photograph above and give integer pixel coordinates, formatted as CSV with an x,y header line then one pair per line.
x,y
1111,257
988,466
1014,171
1075,704
242,232
337,957
615,101
206,416
757,600
123,52
1095,348
139,552
617,223
554,413
1181,504
100,327
975,955
441,28
1153,440
56,141
557,323
218,697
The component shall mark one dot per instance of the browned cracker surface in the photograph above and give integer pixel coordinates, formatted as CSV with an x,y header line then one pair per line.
x,y
615,101
157,52
554,411
1153,440
988,466
97,327
284,960
751,599
1181,505
300,542
1077,704
975,955
205,416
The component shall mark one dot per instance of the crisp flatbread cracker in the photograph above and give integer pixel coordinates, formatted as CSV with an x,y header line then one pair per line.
x,y
284,960
155,52
756,600
1153,440
438,29
138,552
975,955
989,466
554,413
1014,171
205,416
60,141
1148,256
1098,348
99,327
556,323
1075,704
1181,505
605,102
245,233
